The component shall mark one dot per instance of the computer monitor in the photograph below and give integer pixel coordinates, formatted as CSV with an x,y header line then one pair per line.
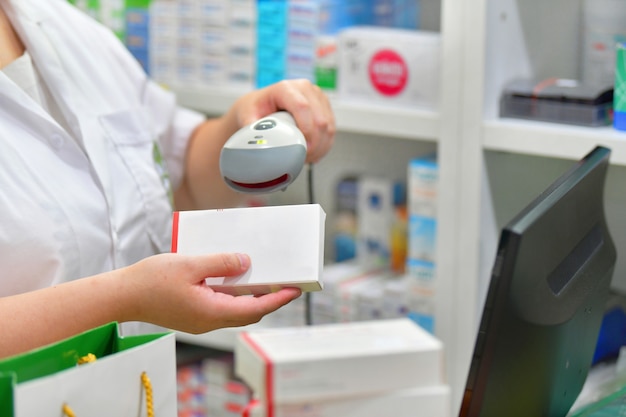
x,y
545,302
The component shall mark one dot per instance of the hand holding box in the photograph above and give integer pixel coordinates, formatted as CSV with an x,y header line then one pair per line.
x,y
285,245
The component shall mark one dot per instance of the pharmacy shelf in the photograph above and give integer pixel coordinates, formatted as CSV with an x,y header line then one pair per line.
x,y
386,121
210,100
508,39
354,117
222,339
552,139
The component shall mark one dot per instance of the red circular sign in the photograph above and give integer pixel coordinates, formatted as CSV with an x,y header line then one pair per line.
x,y
388,72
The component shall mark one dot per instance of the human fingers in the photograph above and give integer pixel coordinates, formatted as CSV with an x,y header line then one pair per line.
x,y
170,290
312,112
218,265
204,309
320,128
244,310
306,102
171,267
223,264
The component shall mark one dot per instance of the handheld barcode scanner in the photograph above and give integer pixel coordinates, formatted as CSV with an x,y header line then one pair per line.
x,y
264,156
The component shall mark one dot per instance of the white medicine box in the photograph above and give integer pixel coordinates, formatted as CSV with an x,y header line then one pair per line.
x,y
285,245
431,401
330,361
389,66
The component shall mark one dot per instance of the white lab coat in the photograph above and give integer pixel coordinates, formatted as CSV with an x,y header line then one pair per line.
x,y
94,198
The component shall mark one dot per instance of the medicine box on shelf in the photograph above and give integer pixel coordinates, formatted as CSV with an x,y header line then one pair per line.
x,y
558,100
433,401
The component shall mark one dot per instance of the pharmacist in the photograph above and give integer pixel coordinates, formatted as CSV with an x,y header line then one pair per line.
x,y
91,155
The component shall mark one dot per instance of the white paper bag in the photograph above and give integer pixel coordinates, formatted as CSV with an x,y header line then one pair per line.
x,y
111,385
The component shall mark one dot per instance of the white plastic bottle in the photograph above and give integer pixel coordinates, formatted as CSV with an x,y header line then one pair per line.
x,y
604,26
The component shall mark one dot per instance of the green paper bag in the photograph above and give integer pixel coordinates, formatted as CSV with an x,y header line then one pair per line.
x,y
130,376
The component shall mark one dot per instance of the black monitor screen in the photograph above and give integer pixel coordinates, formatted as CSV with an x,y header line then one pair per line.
x,y
545,302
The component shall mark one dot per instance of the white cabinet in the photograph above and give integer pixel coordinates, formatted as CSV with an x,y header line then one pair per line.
x,y
531,38
539,39
485,44
503,40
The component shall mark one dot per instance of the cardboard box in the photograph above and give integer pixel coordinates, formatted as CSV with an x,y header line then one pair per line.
x,y
332,361
423,180
389,66
326,304
361,299
375,215
285,244
414,402
422,238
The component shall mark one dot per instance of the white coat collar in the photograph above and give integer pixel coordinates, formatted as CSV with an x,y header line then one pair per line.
x,y
27,18
44,44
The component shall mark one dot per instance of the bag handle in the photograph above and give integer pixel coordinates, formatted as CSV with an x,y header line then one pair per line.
x,y
145,382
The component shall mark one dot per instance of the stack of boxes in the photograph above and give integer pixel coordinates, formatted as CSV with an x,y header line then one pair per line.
x,y
345,223
243,44
271,59
220,43
354,293
377,199
384,243
290,39
208,387
348,288
226,396
353,369
137,31
370,222
298,37
302,34
422,212
208,42
191,390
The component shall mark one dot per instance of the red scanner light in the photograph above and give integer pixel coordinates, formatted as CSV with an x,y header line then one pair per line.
x,y
267,184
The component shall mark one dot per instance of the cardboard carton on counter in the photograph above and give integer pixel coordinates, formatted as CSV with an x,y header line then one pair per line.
x,y
285,244
294,365
430,401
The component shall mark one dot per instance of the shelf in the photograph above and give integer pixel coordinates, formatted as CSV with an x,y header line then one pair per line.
x,y
222,339
552,139
387,121
225,339
209,100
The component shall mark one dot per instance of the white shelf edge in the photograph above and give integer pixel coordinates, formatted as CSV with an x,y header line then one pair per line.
x,y
226,338
552,139
209,100
387,121
222,339
399,122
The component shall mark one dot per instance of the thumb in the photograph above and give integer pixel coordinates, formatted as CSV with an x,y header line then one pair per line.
x,y
225,264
